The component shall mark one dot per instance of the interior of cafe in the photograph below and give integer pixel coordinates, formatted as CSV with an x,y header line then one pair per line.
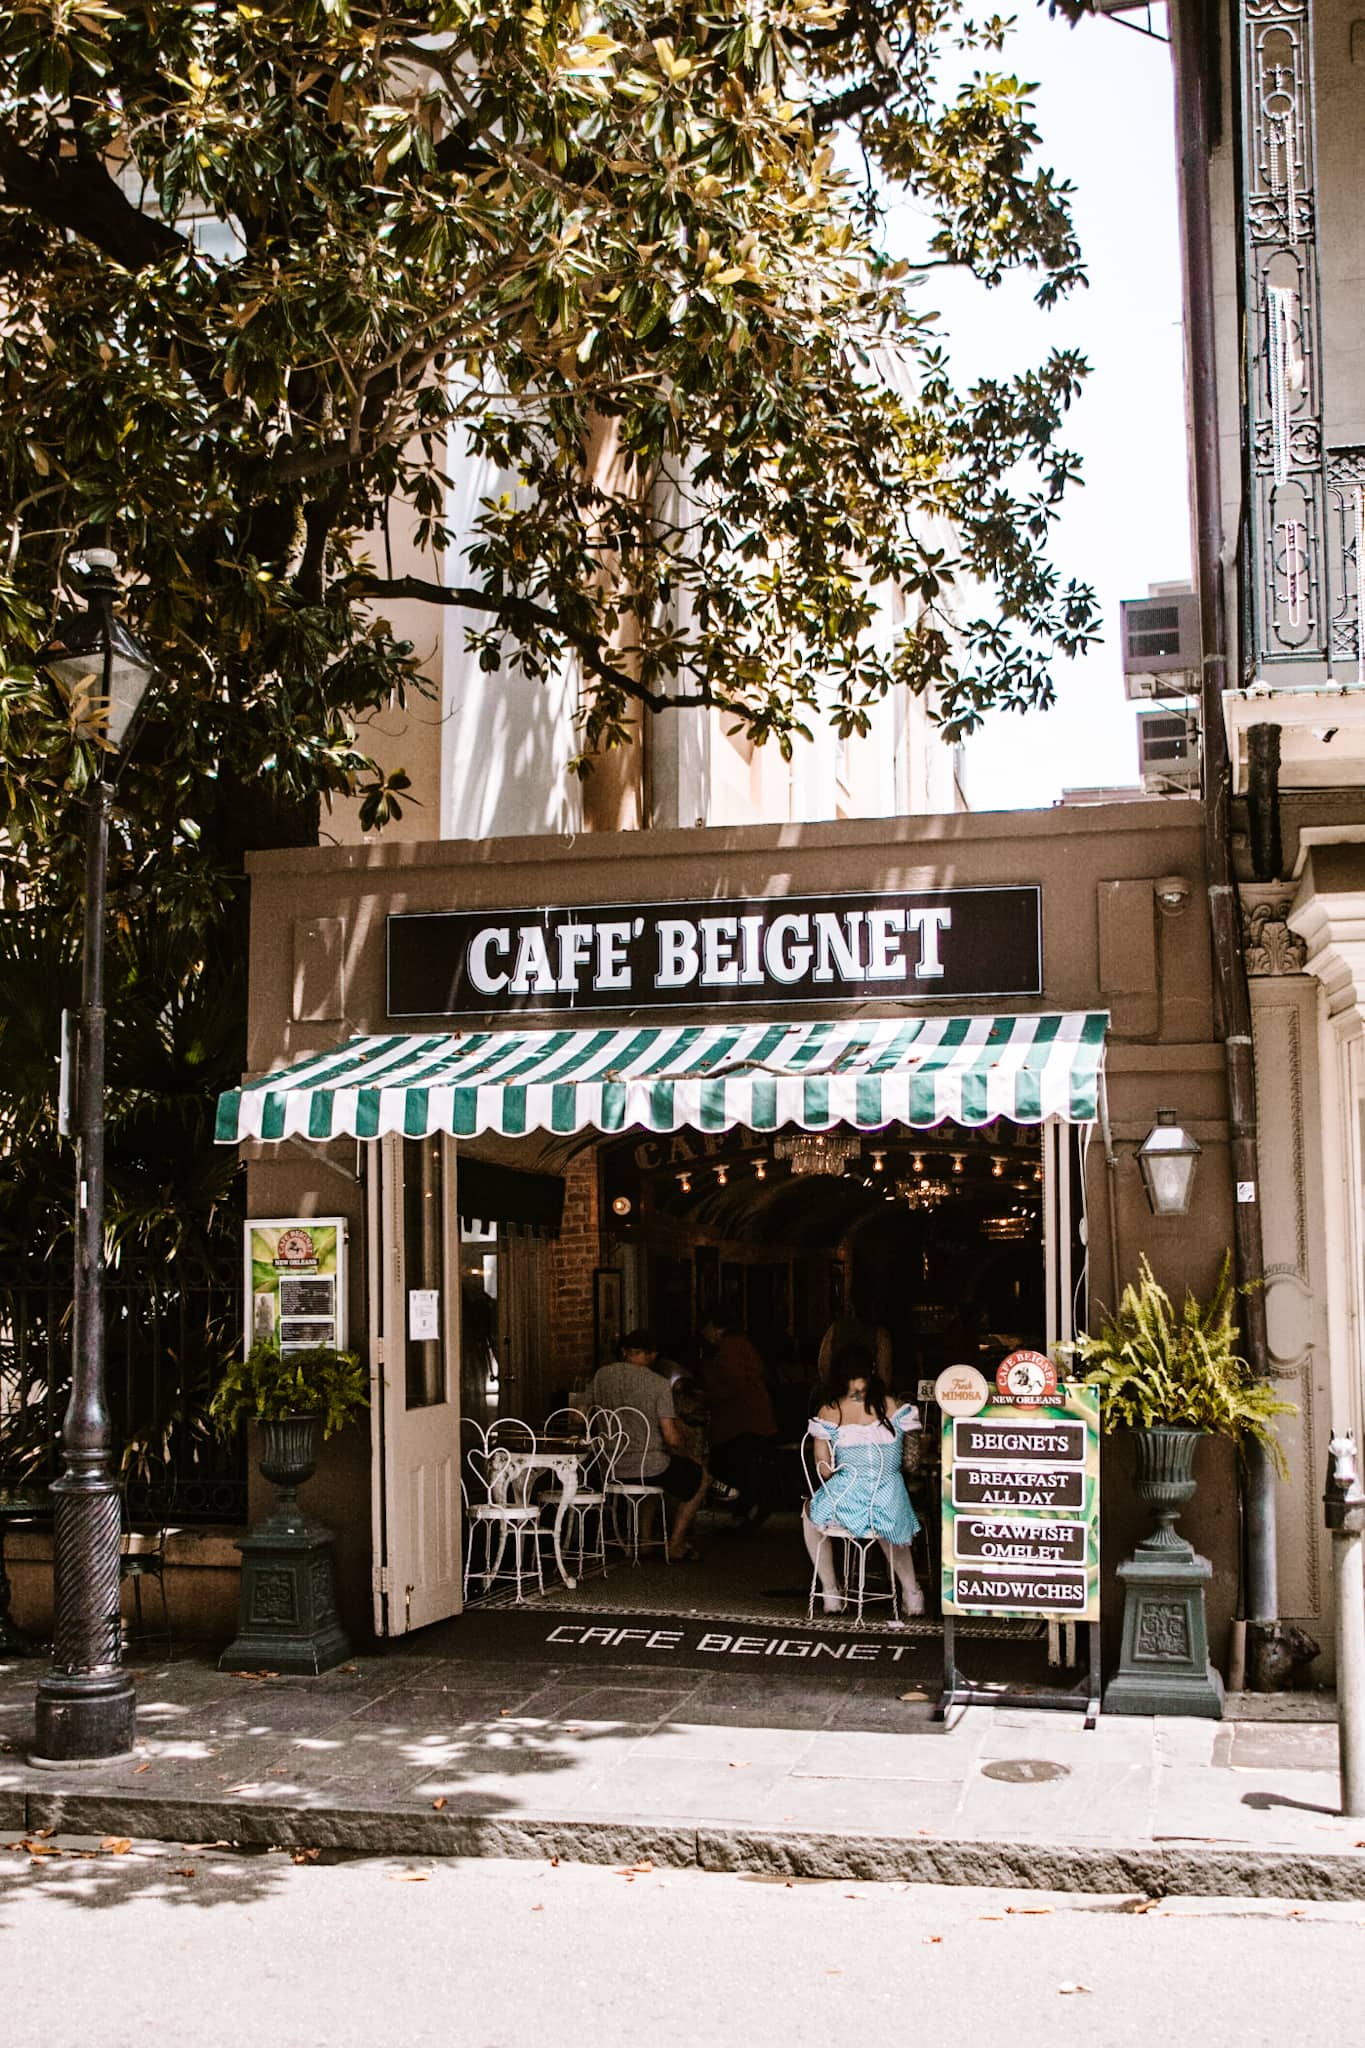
x,y
933,1240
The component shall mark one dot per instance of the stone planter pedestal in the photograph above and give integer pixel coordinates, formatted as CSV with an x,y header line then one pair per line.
x,y
287,1617
1164,1667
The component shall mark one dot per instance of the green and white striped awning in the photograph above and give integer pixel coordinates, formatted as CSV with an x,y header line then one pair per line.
x,y
664,1077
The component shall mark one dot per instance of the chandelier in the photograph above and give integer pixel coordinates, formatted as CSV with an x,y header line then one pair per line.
x,y
1015,1225
817,1151
924,1193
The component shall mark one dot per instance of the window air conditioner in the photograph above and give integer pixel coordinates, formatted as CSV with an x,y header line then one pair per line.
x,y
1168,752
1160,644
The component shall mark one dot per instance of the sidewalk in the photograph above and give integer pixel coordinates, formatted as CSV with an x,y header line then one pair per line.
x,y
754,1770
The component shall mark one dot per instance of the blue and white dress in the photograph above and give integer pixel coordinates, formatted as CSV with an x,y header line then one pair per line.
x,y
865,1494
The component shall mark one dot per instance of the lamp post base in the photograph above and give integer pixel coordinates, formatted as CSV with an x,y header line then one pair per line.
x,y
80,1719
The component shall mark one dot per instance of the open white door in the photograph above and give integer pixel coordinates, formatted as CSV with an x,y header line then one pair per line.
x,y
415,1418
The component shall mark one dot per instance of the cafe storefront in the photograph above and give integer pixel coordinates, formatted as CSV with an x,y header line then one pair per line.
x,y
554,1089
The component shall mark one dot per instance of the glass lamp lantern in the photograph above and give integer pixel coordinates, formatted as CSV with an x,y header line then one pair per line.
x,y
94,645
1167,1158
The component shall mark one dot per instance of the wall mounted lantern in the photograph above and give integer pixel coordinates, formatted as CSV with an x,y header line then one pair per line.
x,y
1167,1157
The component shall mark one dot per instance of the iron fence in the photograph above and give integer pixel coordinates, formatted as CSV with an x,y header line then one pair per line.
x,y
164,1346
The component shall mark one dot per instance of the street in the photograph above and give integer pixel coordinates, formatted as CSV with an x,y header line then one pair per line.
x,y
110,1941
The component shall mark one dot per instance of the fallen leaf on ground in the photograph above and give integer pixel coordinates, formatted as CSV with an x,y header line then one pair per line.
x,y
537,1909
140,1769
41,1834
641,1869
930,1939
554,1863
503,1712
1028,1909
1070,1990
350,1667
742,1765
438,1803
117,1845
913,1695
305,1855
258,1674
410,1876
38,1848
183,1870
990,1916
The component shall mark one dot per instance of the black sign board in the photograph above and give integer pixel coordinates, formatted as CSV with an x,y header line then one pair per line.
x,y
1040,1441
1029,1592
1013,1486
935,944
1029,1540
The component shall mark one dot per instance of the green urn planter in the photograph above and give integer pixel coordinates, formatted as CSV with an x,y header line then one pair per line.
x,y
287,1618
1164,1665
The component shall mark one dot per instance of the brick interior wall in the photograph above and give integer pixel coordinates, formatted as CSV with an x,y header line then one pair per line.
x,y
574,1253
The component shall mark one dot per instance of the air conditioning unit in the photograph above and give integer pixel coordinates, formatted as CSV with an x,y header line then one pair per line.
x,y
1160,637
1168,752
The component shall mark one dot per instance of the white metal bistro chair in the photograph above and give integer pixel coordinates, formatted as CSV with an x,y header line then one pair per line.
x,y
630,1439
587,1510
848,1554
496,1519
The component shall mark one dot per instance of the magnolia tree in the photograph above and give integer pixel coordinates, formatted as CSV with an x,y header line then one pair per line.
x,y
272,270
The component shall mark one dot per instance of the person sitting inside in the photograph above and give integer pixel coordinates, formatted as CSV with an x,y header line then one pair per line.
x,y
856,1434
743,1428
631,1388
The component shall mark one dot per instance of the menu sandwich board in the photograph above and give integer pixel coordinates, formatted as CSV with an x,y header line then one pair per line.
x,y
1021,1508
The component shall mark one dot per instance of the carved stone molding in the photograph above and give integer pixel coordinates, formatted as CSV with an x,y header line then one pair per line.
x,y
1271,946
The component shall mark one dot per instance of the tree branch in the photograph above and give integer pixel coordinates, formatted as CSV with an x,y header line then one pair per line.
x,y
78,194
524,611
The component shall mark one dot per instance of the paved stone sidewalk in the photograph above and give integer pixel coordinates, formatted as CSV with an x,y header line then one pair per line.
x,y
754,1770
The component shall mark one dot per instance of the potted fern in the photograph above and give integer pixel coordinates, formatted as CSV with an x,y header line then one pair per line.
x,y
290,1394
287,1617
1172,1377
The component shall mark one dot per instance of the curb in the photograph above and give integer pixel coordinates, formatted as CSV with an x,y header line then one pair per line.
x,y
1155,1869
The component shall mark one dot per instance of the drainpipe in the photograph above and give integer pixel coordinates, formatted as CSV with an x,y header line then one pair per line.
x,y
1194,44
1263,802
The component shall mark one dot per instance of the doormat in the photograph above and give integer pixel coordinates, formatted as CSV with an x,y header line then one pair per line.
x,y
924,1628
623,1636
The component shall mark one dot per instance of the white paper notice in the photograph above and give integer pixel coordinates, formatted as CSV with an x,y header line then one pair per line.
x,y
423,1314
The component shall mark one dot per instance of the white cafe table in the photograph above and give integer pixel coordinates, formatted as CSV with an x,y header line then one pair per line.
x,y
517,1470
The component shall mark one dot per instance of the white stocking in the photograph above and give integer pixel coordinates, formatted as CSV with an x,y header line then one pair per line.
x,y
901,1560
821,1552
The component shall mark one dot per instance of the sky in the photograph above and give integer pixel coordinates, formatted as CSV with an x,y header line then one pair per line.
x,y
1105,114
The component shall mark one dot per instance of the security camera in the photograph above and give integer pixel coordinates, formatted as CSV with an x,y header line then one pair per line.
x,y
1172,893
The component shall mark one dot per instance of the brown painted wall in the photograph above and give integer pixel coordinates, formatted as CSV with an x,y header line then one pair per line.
x,y
1106,945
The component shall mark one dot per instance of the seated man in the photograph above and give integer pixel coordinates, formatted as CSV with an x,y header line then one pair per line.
x,y
632,1384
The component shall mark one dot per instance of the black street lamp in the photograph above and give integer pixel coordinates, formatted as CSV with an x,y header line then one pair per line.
x,y
85,1704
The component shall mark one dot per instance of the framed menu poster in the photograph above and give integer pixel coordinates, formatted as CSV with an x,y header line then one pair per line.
x,y
296,1281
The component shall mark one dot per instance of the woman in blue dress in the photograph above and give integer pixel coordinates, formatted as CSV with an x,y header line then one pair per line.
x,y
856,1436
